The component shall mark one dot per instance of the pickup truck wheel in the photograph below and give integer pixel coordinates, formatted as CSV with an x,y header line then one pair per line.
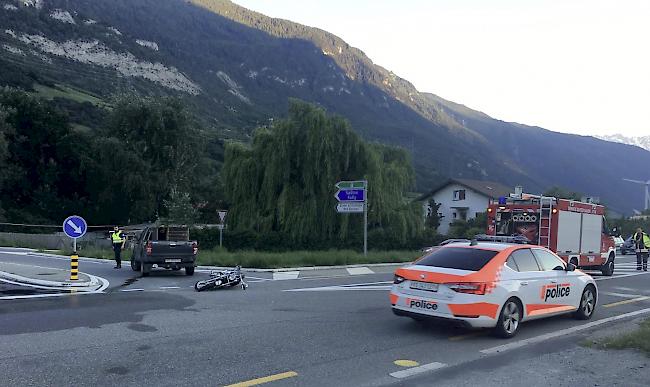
x,y
135,265
144,269
189,270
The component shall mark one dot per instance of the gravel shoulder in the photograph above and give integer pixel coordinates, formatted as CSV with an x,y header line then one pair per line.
x,y
576,361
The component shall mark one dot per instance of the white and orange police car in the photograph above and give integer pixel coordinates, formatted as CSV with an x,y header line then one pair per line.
x,y
492,285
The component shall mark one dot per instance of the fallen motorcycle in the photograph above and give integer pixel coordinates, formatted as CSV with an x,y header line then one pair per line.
x,y
222,279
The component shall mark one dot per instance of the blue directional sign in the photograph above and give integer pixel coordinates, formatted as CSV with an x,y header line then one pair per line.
x,y
75,226
351,195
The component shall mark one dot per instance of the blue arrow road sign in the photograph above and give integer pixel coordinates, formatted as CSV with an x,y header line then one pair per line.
x,y
351,195
75,226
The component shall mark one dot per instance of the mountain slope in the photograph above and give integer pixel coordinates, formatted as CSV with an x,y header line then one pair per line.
x,y
237,69
641,142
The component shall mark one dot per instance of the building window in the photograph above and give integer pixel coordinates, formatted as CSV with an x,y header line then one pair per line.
x,y
455,215
459,194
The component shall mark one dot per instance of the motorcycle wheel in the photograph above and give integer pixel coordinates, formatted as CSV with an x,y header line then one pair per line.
x,y
201,285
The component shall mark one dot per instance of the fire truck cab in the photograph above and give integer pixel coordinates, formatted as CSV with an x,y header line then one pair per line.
x,y
575,231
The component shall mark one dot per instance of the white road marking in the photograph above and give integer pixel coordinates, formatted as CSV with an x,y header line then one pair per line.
x,y
64,258
170,287
620,276
381,286
359,270
258,278
285,275
417,370
132,290
561,332
625,289
624,295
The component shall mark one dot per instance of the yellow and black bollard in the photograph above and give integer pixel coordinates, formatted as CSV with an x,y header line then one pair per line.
x,y
74,267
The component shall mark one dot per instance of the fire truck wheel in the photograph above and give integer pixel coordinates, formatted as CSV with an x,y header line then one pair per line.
x,y
608,268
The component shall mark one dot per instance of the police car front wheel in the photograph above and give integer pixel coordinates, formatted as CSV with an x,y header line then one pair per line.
x,y
587,304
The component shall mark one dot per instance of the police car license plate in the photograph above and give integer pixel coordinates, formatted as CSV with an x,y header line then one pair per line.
x,y
172,260
424,286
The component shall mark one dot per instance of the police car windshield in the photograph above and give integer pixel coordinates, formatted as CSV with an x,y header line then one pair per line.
x,y
458,258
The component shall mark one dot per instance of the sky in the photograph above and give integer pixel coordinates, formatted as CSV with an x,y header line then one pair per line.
x,y
574,66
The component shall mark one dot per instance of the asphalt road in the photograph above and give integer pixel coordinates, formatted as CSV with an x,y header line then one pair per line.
x,y
313,331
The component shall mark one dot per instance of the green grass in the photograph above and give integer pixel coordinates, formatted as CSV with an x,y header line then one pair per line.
x,y
6,243
638,339
67,92
268,260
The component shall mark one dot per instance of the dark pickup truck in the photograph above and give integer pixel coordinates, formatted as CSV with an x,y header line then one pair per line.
x,y
167,247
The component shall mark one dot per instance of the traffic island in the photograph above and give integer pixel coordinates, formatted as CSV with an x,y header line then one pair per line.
x,y
46,277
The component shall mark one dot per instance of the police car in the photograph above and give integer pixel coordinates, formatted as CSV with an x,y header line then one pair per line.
x,y
492,285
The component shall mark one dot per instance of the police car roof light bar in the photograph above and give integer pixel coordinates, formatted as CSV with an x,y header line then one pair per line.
x,y
518,239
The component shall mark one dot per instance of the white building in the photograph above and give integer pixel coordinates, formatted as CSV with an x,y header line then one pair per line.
x,y
462,199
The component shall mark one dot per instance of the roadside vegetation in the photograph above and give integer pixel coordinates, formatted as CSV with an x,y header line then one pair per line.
x,y
638,339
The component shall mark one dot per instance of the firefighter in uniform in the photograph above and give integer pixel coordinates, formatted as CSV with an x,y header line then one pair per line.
x,y
642,244
118,239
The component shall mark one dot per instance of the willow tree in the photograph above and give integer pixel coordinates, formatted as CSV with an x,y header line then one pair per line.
x,y
284,182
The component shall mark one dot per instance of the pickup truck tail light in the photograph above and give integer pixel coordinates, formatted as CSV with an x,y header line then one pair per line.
x,y
149,248
468,287
195,248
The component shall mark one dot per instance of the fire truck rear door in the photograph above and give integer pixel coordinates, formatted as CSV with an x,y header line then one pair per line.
x,y
568,232
592,226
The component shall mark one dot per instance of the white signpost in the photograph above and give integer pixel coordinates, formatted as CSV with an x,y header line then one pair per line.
x,y
352,198
347,207
221,226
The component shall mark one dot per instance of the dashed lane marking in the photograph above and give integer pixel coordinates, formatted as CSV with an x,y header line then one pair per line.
x,y
417,370
561,332
626,302
285,275
266,379
131,290
359,270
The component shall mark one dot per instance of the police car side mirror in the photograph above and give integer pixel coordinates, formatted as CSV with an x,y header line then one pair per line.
x,y
570,267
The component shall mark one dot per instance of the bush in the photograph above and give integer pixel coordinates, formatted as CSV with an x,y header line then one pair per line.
x,y
273,241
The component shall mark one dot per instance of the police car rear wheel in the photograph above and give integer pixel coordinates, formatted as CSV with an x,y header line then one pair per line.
x,y
509,319
587,304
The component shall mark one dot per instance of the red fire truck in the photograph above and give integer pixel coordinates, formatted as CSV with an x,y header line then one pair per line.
x,y
576,231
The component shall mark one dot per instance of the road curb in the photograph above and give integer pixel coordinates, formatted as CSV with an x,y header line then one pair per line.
x,y
305,268
256,270
50,284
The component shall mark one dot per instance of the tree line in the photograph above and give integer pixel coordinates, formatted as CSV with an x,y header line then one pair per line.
x,y
149,160
145,153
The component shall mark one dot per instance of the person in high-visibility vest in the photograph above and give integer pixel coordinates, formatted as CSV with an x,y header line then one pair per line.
x,y
118,239
642,242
